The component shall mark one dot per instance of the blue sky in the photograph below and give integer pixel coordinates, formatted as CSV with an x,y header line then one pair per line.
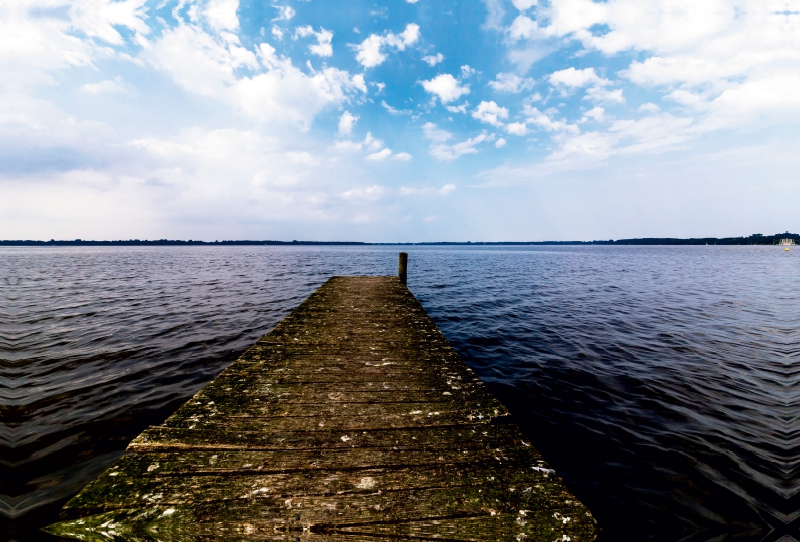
x,y
398,120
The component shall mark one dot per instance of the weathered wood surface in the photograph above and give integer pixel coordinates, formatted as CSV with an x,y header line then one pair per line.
x,y
353,420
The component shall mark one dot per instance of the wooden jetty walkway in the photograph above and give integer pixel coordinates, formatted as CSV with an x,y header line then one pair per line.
x,y
353,420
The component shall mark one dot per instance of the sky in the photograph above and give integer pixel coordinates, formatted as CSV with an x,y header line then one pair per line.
x,y
398,121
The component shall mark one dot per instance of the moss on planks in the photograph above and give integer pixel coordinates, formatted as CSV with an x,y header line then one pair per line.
x,y
353,419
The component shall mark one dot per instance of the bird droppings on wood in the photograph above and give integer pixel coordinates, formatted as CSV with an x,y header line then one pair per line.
x,y
353,420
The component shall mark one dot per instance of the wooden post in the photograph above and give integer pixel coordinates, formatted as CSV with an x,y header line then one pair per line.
x,y
402,267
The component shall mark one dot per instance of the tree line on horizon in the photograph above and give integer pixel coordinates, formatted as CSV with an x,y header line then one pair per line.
x,y
755,239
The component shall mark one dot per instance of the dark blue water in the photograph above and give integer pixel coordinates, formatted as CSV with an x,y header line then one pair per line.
x,y
663,383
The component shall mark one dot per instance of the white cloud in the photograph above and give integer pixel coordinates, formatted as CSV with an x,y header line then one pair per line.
x,y
434,133
457,108
522,5
383,154
686,97
696,48
466,71
776,92
426,190
370,52
346,123
517,128
652,134
277,91
40,36
432,60
501,142
446,87
221,14
412,1
104,86
95,18
601,94
372,143
166,182
655,25
232,173
323,46
379,156
490,113
495,14
239,150
198,61
526,55
277,32
683,68
448,153
284,92
369,142
596,113
393,110
368,194
571,77
525,28
323,37
284,13
536,117
347,146
509,82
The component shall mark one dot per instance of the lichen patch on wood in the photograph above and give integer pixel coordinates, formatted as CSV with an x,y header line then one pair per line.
x,y
352,420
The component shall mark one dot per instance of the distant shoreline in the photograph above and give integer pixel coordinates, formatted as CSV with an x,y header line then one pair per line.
x,y
756,239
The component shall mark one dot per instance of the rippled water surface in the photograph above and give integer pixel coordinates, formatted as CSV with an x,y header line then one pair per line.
x,y
663,383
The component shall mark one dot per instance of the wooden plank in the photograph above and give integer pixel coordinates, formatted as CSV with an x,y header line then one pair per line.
x,y
204,463
332,407
173,488
361,419
352,420
259,521
224,437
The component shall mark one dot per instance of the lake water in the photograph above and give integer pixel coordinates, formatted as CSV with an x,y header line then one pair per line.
x,y
663,383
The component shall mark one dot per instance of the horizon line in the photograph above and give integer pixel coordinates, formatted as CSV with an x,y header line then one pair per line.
x,y
754,239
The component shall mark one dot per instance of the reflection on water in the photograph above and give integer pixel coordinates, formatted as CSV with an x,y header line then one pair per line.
x,y
662,382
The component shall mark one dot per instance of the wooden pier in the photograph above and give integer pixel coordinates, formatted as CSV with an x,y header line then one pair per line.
x,y
353,420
